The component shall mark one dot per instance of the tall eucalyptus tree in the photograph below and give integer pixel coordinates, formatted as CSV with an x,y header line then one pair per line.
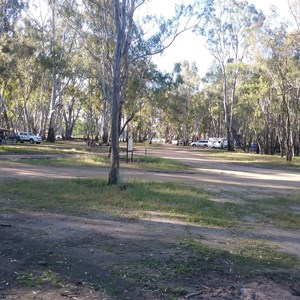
x,y
62,41
281,62
116,41
131,44
178,109
228,24
98,34
9,13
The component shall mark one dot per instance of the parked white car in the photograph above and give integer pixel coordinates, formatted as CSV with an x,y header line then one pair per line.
x,y
200,143
28,137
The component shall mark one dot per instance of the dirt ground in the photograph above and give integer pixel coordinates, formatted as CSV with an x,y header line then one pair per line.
x,y
98,256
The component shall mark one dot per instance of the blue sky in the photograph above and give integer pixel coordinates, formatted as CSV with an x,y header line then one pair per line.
x,y
188,46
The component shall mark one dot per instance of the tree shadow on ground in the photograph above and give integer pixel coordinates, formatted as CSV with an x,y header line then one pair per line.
x,y
97,256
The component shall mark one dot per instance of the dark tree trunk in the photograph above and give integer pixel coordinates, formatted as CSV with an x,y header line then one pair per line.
x,y
120,17
51,135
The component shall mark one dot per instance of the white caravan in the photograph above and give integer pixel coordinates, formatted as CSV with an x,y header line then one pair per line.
x,y
217,142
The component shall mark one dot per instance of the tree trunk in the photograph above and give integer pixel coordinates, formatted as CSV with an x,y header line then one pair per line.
x,y
5,116
290,149
104,125
105,109
114,173
289,131
51,129
226,112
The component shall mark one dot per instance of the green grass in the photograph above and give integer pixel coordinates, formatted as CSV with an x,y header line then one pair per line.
x,y
21,149
193,258
80,148
179,260
264,160
76,154
32,279
276,210
44,148
80,195
154,163
59,147
79,160
140,198
189,258
246,256
96,160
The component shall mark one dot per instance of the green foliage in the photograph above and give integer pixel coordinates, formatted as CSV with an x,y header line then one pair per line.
x,y
9,12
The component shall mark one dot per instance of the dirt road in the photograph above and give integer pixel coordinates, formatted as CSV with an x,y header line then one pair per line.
x,y
207,172
96,256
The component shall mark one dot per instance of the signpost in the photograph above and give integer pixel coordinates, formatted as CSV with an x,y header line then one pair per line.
x,y
129,149
146,148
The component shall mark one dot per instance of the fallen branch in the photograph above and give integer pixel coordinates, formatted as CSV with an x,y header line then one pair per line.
x,y
193,295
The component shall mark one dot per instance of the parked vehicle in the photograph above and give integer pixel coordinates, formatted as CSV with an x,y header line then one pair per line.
x,y
177,142
200,143
254,148
7,136
3,135
215,144
219,143
12,138
28,137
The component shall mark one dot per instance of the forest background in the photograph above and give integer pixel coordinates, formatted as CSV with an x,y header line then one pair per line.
x,y
85,69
